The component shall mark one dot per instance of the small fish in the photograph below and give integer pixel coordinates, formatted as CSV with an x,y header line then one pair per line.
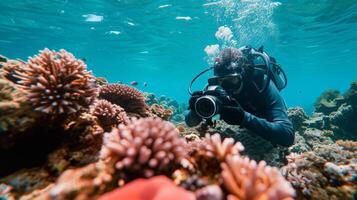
x,y
134,83
145,84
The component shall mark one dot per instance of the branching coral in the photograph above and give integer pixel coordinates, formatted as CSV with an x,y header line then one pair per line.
x,y
108,114
143,148
247,180
131,99
207,154
57,83
328,172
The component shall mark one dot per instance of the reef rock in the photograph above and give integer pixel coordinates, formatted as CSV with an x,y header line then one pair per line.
x,y
328,102
328,172
297,116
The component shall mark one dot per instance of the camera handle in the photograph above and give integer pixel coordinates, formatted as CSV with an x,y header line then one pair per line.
x,y
196,77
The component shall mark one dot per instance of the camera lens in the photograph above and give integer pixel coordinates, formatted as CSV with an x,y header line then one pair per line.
x,y
206,106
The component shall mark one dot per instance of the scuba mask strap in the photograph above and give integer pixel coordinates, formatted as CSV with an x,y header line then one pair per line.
x,y
196,77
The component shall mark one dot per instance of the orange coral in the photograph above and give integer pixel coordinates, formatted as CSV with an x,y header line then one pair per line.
x,y
143,148
108,114
131,99
247,180
57,83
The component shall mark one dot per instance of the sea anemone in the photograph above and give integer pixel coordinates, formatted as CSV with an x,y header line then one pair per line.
x,y
131,99
143,148
57,83
108,114
245,179
207,154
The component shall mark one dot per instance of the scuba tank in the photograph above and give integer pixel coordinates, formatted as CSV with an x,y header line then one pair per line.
x,y
272,70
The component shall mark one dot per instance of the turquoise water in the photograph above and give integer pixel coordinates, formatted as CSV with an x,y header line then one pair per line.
x,y
162,42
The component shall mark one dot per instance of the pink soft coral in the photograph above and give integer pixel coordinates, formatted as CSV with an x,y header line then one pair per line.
x,y
143,148
247,180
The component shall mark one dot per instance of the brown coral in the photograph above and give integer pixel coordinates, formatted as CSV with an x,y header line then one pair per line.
x,y
131,99
207,154
143,148
13,107
245,179
82,183
328,172
9,68
160,111
57,83
108,114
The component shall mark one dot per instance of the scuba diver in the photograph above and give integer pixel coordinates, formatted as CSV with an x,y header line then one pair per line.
x,y
244,91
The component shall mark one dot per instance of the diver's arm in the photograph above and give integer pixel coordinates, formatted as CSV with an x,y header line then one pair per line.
x,y
277,128
192,119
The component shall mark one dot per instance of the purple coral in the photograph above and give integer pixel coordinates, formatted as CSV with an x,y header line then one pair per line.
x,y
143,148
131,99
57,83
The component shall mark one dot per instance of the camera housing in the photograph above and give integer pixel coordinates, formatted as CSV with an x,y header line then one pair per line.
x,y
209,104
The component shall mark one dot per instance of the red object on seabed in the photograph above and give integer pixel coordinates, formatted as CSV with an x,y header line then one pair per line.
x,y
156,188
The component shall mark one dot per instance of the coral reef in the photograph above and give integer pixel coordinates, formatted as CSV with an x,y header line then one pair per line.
x,y
297,116
144,148
9,68
83,183
108,114
160,111
245,179
65,134
328,172
166,103
328,102
207,154
129,98
14,111
57,83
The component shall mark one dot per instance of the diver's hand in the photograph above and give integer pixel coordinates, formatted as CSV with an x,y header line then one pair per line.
x,y
195,95
232,115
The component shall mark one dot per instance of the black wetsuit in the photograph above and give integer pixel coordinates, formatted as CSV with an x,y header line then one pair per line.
x,y
265,114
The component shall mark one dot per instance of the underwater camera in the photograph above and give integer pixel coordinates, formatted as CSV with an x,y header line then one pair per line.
x,y
214,96
208,105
